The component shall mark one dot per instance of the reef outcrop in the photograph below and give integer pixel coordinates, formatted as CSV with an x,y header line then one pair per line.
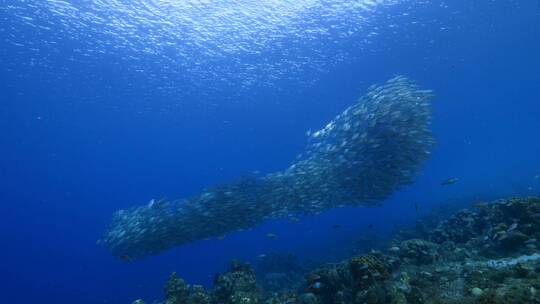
x,y
466,258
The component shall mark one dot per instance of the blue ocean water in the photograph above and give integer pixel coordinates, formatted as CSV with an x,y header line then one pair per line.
x,y
109,104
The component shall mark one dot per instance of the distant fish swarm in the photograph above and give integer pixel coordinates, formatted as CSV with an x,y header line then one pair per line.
x,y
358,159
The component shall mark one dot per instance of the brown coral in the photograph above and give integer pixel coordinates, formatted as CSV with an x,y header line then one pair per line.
x,y
367,269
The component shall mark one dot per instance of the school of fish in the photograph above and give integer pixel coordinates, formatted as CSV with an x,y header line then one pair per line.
x,y
358,159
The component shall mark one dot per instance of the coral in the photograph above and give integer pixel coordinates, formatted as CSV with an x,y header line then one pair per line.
x,y
512,240
366,269
236,286
460,228
279,271
308,298
276,262
372,295
418,251
278,281
282,298
197,295
484,256
497,229
176,290
328,280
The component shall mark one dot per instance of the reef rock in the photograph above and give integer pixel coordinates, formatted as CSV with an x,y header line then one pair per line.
x,y
176,290
236,286
418,251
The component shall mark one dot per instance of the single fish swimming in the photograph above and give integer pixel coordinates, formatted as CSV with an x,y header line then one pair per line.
x,y
271,236
450,181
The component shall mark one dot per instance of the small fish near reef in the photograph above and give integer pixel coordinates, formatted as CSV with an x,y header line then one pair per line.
x,y
450,181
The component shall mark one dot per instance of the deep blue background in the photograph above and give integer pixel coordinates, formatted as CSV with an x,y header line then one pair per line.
x,y
75,149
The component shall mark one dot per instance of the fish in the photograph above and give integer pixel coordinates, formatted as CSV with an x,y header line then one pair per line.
x,y
417,207
126,258
450,181
336,226
351,161
317,285
271,236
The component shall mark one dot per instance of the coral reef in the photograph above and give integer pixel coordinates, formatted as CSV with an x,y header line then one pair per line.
x,y
486,254
418,251
367,269
236,286
498,229
176,290
279,272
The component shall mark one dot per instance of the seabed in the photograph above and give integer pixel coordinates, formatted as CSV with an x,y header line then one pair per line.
x,y
486,253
